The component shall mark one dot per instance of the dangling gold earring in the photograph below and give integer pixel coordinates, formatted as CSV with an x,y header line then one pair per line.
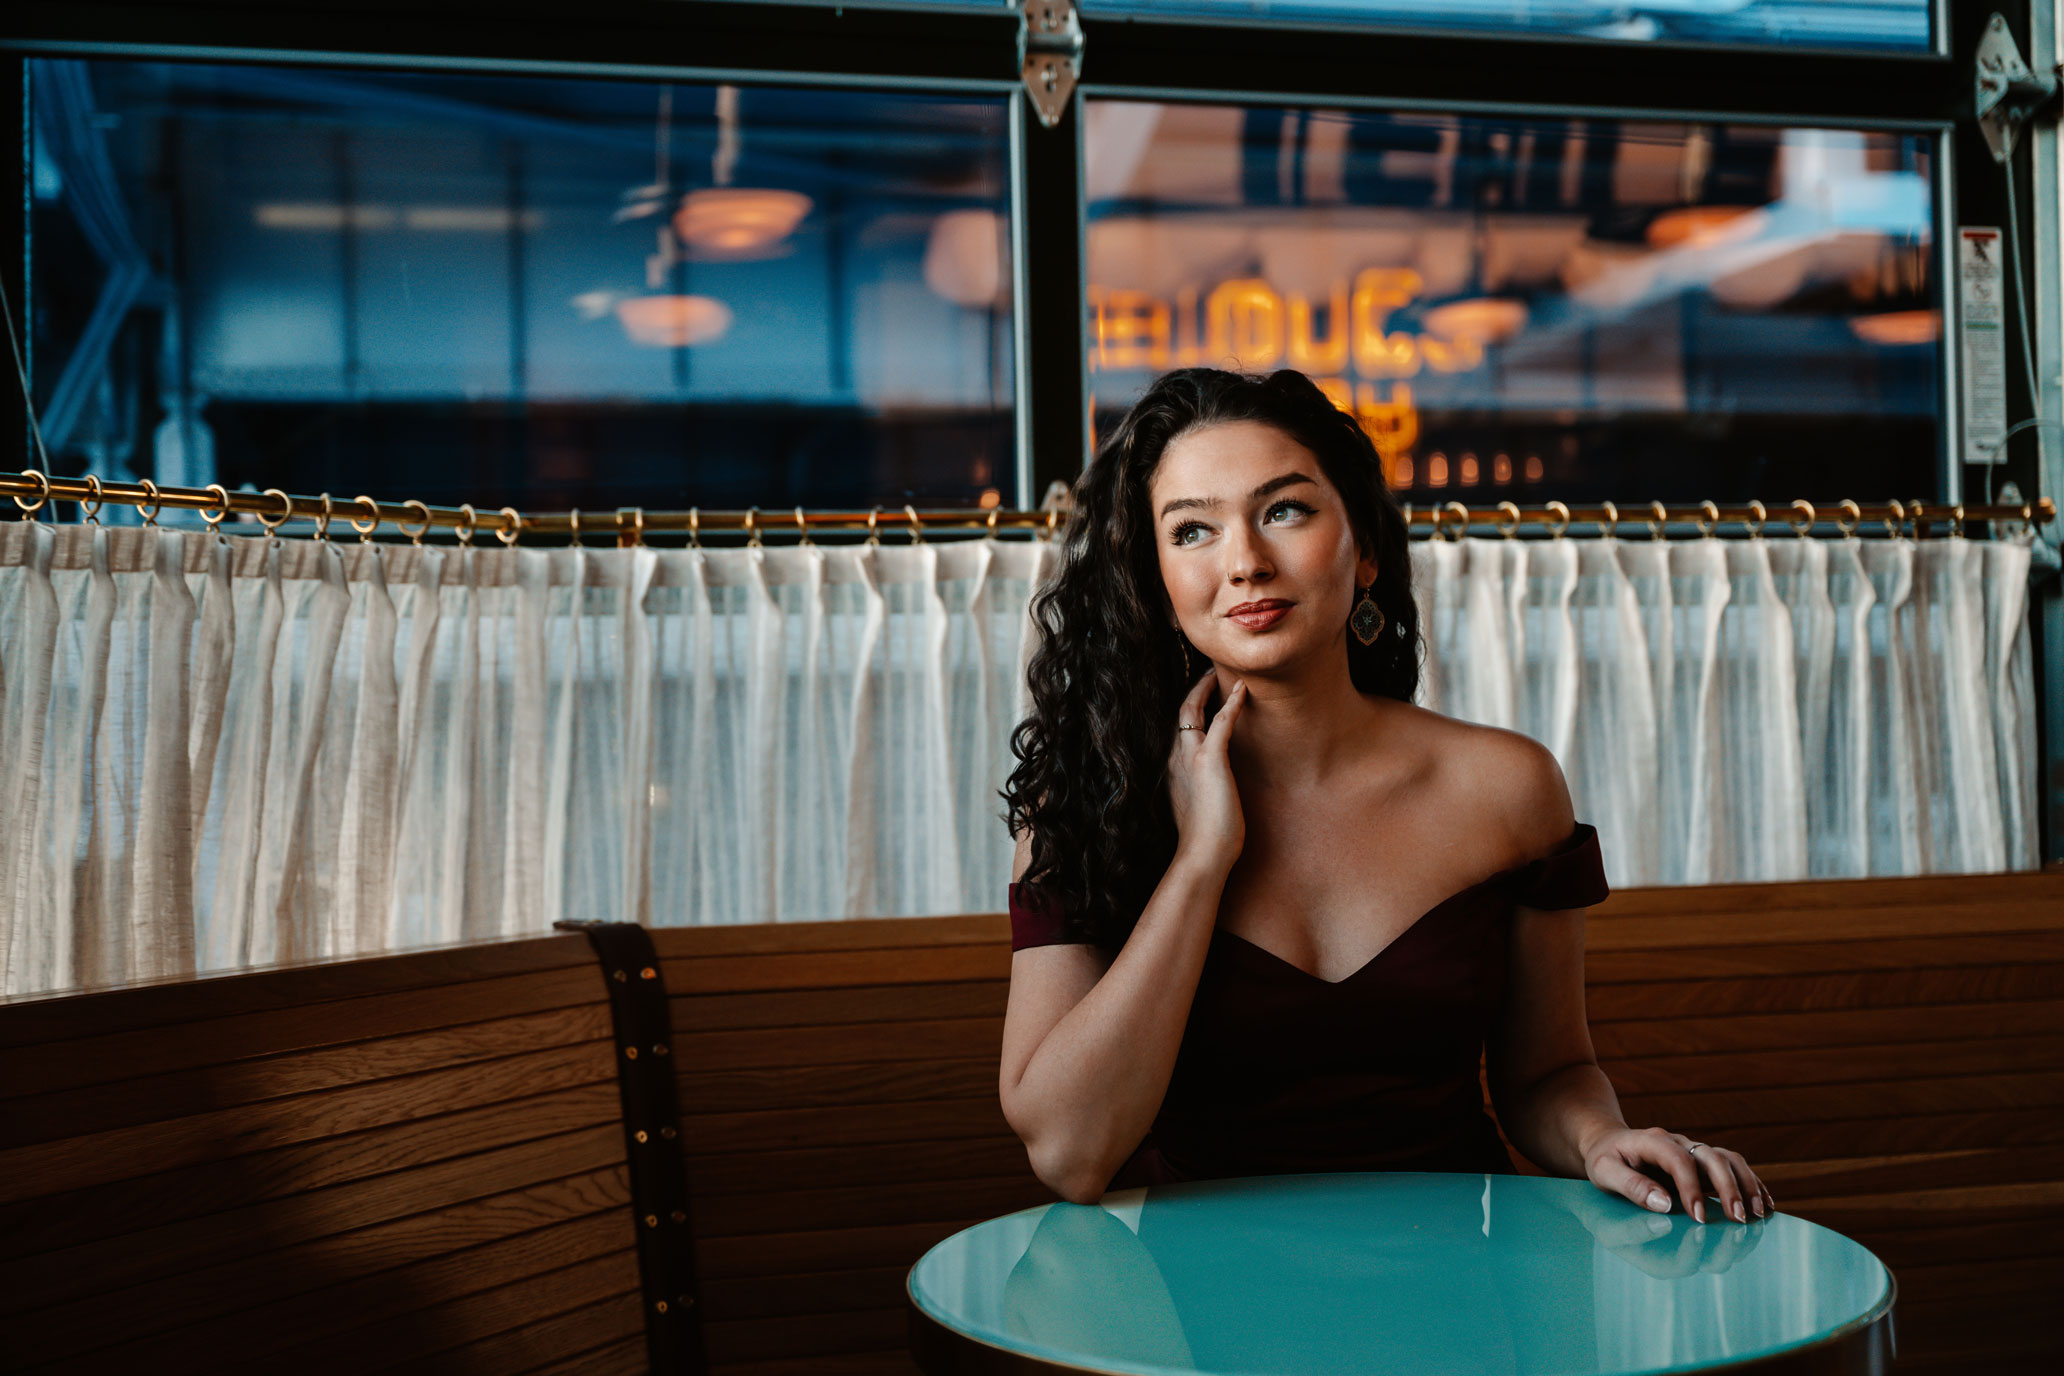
x,y
1367,620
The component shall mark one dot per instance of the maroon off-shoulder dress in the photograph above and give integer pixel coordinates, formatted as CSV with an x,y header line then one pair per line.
x,y
1281,1072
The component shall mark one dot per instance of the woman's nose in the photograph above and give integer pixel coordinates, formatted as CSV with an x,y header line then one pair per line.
x,y
1246,557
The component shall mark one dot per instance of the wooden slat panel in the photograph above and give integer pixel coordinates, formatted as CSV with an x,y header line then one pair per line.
x,y
2020,1127
170,1301
1834,1065
821,1086
821,1292
1863,1027
891,1363
64,1015
867,1123
153,1147
624,1358
929,1039
561,1337
852,934
837,1249
103,1210
837,969
485,1316
354,1316
1820,1103
47,1278
787,1211
1813,957
744,1340
175,1094
716,1011
1682,996
214,1041
1782,926
1945,890
1841,1177
850,1164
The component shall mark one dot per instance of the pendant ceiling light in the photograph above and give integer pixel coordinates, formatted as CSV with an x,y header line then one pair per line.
x,y
726,222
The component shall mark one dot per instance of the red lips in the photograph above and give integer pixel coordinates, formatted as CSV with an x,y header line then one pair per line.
x,y
1267,604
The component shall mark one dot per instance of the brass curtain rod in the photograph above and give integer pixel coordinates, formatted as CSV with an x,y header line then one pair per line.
x,y
31,489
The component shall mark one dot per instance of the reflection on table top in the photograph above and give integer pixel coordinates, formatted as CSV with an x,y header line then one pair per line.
x,y
1393,1272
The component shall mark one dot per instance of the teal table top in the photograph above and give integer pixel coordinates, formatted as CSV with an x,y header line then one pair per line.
x,y
1372,1273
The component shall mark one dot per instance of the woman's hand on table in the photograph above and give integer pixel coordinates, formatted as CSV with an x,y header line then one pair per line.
x,y
1629,1161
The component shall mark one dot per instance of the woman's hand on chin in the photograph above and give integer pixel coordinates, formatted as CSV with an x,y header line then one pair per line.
x,y
1629,1162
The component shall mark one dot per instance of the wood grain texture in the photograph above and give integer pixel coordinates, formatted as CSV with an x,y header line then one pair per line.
x,y
410,1161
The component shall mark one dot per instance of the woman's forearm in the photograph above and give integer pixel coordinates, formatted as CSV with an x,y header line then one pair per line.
x,y
1555,1120
1091,1089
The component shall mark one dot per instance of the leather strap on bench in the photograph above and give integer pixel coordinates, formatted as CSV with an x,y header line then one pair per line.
x,y
652,1145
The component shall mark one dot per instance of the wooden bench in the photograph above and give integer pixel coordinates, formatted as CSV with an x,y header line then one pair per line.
x,y
415,1162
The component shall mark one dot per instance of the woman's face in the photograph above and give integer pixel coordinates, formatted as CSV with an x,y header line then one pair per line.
x,y
1244,515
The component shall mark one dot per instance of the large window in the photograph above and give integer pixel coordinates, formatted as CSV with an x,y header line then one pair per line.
x,y
545,292
1528,308
1872,25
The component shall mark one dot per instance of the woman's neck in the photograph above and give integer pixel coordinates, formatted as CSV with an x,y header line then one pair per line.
x,y
1297,732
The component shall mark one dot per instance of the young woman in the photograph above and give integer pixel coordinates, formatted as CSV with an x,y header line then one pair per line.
x,y
1268,916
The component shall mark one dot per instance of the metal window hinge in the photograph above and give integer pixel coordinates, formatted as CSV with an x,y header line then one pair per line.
x,y
1050,56
2009,94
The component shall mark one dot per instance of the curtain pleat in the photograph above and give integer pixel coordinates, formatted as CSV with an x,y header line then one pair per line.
x,y
222,751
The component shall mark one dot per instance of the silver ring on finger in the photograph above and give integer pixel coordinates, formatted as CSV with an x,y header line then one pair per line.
x,y
1187,727
1693,1147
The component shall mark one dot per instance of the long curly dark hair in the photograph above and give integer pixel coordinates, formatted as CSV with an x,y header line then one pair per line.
x,y
1110,670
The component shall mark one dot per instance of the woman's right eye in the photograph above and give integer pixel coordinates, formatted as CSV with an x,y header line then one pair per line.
x,y
1176,536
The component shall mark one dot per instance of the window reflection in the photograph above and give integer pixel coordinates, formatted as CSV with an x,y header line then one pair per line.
x,y
1591,309
540,292
1862,25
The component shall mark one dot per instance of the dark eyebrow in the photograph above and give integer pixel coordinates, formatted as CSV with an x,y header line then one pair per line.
x,y
1211,503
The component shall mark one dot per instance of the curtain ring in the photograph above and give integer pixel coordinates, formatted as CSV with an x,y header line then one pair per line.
x,y
1956,521
1053,522
1657,514
322,519
1895,512
150,507
1560,511
637,535
916,529
802,529
873,520
286,515
221,507
468,519
1846,522
752,527
1509,525
415,536
1406,512
1461,518
574,517
1759,517
694,527
89,506
43,482
510,528
994,512
1917,519
1611,523
1708,517
365,530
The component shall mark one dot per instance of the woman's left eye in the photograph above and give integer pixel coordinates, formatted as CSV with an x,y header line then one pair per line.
x,y
1287,504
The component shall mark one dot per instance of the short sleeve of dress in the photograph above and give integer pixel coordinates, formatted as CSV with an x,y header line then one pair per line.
x,y
1035,921
1570,876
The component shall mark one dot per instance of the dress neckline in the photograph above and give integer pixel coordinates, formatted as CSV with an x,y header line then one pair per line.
x,y
1575,838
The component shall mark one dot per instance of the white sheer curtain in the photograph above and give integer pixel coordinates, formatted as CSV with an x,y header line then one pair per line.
x,y
1746,710
223,752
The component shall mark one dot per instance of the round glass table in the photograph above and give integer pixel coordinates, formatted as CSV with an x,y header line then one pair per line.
x,y
1378,1273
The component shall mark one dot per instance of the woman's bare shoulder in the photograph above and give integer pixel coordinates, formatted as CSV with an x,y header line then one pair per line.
x,y
1507,779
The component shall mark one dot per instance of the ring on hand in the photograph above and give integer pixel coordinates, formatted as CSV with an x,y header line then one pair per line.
x,y
1187,727
1695,1146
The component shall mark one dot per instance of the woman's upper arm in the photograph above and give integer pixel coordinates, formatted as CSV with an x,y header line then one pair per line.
x,y
1544,1027
1045,983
